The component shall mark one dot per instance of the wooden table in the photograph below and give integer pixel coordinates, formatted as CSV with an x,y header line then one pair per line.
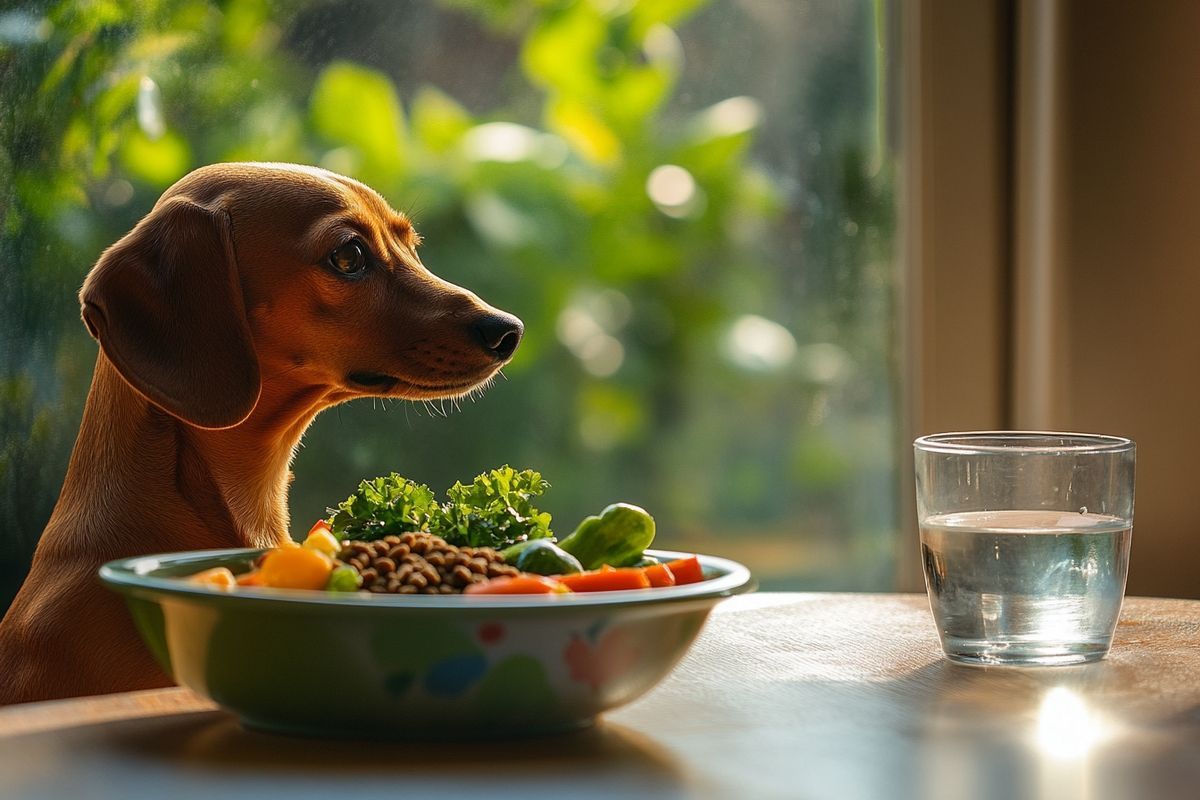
x,y
784,695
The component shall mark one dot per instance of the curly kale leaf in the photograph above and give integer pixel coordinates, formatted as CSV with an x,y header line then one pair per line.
x,y
495,510
383,506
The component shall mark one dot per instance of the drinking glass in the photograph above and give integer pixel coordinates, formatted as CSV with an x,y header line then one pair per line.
x,y
1025,542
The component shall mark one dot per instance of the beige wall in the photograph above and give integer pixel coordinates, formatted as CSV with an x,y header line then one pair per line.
x,y
1129,261
1052,153
955,228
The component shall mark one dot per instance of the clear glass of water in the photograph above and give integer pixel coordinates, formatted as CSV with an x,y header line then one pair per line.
x,y
1025,543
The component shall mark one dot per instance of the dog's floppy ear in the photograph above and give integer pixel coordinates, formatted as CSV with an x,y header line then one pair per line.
x,y
165,303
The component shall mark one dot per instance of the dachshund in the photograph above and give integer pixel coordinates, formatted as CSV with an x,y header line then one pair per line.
x,y
251,297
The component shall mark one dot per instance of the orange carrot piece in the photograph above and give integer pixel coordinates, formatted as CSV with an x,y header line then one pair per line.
x,y
522,584
686,570
252,578
660,575
607,580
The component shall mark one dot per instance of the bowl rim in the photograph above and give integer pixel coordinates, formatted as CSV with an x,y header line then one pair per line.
x,y
131,576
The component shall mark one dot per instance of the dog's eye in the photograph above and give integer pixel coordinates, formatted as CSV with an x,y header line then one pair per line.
x,y
349,258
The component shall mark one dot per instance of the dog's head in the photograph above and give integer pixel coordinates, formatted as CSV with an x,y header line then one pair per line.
x,y
249,270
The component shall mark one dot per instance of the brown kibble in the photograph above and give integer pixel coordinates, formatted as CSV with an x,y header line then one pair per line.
x,y
419,562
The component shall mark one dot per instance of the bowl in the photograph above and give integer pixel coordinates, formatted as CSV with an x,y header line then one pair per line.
x,y
412,667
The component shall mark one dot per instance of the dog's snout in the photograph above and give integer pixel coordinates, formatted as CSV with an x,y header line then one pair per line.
x,y
499,333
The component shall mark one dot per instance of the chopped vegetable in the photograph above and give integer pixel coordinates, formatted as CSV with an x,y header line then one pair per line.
x,y
511,553
344,579
686,570
543,557
321,540
659,575
606,580
252,578
522,584
296,568
617,537
495,510
218,577
383,506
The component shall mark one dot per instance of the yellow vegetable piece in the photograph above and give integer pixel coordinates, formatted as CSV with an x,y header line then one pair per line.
x,y
220,577
296,568
323,542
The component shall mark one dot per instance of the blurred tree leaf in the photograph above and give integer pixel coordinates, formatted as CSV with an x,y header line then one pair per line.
x,y
358,107
586,132
438,121
159,162
646,14
561,51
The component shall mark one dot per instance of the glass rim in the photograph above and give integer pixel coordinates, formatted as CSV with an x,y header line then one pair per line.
x,y
1016,442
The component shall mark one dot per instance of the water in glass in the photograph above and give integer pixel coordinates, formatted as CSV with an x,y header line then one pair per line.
x,y
1025,586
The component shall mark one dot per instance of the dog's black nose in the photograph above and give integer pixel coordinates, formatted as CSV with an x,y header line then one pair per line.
x,y
500,333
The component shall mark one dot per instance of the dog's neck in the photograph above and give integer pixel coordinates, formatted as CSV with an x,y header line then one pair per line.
x,y
251,461
145,480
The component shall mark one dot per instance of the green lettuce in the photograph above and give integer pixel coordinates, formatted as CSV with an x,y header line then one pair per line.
x,y
494,510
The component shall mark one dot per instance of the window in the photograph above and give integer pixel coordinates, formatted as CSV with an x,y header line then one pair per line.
x,y
690,204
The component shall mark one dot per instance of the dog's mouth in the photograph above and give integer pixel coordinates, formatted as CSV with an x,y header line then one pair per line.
x,y
381,383
373,380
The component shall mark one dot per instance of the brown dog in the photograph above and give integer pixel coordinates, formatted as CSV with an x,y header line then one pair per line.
x,y
250,298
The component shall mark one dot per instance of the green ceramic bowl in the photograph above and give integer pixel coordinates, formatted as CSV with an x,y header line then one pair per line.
x,y
403,666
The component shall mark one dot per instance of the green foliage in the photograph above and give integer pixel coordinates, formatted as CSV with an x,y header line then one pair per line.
x,y
29,480
358,108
